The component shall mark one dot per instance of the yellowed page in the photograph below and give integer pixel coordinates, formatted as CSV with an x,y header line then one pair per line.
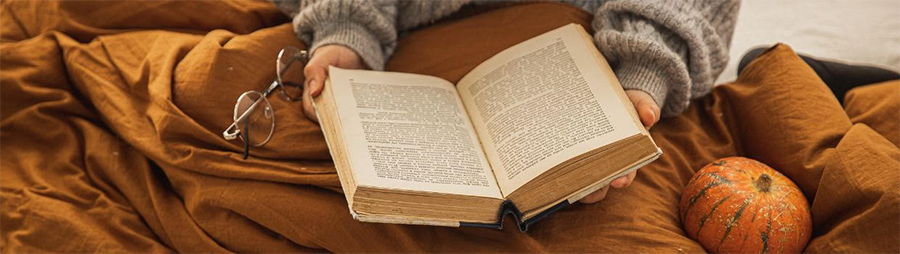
x,y
542,102
410,132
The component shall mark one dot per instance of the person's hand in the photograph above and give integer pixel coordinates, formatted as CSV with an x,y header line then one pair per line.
x,y
649,112
316,71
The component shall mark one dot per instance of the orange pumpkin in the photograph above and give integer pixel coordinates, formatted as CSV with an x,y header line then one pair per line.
x,y
741,205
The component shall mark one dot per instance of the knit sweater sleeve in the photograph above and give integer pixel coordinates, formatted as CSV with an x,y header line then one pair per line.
x,y
367,27
673,50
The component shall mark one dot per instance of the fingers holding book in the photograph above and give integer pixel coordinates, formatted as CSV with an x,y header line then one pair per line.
x,y
649,113
316,71
596,196
645,106
600,194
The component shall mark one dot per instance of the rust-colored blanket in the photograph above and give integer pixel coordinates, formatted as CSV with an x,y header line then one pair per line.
x,y
112,114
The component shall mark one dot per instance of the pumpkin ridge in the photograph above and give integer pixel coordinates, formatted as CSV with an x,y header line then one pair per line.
x,y
705,217
765,237
721,180
744,242
734,220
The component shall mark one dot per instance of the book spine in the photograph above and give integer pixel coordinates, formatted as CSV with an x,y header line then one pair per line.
x,y
510,208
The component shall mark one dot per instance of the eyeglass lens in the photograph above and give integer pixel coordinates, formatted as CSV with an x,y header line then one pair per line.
x,y
290,72
260,120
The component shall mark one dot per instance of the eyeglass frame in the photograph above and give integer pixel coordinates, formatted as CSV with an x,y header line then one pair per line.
x,y
234,133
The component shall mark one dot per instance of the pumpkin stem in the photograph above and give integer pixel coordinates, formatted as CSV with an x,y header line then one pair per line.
x,y
763,182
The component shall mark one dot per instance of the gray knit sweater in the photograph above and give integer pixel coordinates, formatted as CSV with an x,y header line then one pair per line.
x,y
672,49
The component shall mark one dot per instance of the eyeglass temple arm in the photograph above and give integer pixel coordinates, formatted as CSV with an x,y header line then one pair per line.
x,y
232,132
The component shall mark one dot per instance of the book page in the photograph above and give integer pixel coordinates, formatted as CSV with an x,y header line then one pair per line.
x,y
410,132
541,102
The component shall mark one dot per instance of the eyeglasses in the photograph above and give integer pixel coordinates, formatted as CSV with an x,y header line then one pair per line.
x,y
253,112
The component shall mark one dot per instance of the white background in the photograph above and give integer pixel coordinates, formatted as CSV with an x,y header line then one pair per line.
x,y
854,31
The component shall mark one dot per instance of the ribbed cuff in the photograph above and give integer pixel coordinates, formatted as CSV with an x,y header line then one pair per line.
x,y
353,36
640,75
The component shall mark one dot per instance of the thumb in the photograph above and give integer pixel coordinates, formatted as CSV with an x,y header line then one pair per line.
x,y
645,106
308,109
649,114
316,71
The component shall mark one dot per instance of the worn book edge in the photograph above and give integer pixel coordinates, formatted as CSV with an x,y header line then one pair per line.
x,y
508,207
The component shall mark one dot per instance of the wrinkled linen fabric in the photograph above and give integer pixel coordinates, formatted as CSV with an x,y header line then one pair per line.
x,y
112,114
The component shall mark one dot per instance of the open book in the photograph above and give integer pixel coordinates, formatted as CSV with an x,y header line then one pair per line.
x,y
532,129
